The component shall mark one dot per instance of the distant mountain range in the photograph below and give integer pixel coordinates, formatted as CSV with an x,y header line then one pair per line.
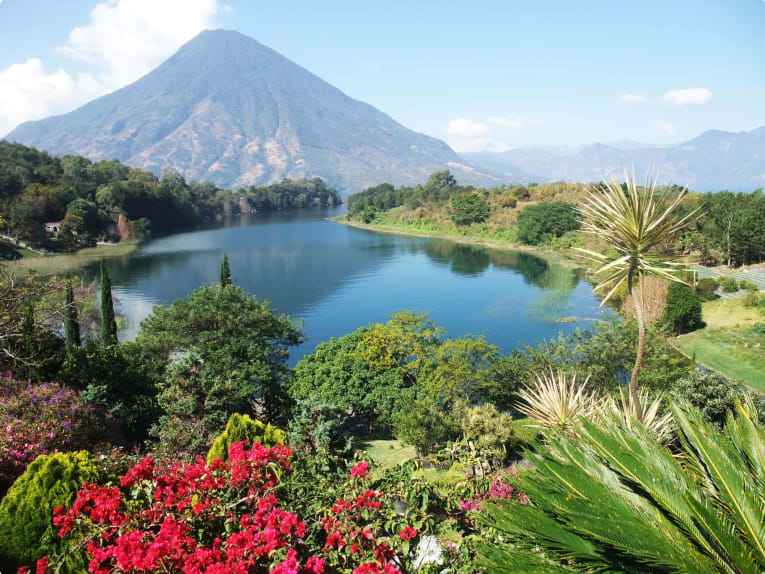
x,y
228,109
713,161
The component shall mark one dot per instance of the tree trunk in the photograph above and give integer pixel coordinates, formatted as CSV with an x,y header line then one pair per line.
x,y
638,300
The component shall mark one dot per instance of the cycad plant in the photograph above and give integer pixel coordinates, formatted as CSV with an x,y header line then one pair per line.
x,y
556,403
614,499
637,223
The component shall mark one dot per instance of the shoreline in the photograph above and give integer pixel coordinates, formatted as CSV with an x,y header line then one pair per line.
x,y
49,265
565,258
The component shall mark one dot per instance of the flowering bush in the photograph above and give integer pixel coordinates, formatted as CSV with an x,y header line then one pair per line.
x,y
228,517
43,418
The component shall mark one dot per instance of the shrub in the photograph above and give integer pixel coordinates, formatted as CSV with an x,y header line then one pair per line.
x,y
486,426
317,426
727,284
231,517
508,200
747,285
682,313
423,424
544,221
557,404
119,379
711,393
470,208
369,214
43,418
26,512
243,428
753,299
706,288
521,193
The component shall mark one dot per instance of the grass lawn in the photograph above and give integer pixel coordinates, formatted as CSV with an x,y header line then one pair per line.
x,y
730,343
389,453
10,251
386,453
70,262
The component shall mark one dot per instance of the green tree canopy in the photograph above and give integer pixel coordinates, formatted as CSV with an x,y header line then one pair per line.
x,y
108,321
543,221
470,208
241,341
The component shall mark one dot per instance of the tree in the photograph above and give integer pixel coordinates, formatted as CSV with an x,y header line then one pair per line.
x,y
682,313
613,499
458,367
425,424
338,374
242,342
119,379
541,222
636,222
467,209
71,326
225,272
81,224
28,346
108,322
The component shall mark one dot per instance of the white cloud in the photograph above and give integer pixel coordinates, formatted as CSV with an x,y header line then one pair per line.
x,y
632,99
689,96
127,38
29,92
511,123
123,40
665,127
464,127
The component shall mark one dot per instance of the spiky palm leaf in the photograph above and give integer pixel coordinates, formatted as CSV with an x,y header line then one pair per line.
x,y
615,499
634,223
555,403
660,424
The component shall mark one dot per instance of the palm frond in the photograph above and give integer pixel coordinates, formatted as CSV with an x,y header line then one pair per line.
x,y
612,498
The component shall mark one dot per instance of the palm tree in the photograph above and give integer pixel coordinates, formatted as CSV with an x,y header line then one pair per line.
x,y
613,499
637,222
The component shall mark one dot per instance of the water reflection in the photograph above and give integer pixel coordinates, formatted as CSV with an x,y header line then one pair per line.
x,y
338,278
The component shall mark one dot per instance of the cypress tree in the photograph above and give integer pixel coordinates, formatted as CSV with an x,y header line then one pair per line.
x,y
225,272
71,327
108,322
28,326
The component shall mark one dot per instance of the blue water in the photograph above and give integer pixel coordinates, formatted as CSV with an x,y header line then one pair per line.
x,y
335,278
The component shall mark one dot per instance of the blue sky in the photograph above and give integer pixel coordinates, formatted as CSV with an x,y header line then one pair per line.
x,y
480,74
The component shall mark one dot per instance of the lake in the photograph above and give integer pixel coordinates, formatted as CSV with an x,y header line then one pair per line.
x,y
336,278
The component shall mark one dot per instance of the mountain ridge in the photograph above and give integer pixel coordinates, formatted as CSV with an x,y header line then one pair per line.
x,y
712,161
226,108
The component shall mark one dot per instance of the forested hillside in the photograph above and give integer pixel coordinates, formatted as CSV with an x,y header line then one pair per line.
x,y
83,201
731,230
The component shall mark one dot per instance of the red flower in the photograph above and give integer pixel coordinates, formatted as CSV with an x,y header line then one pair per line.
x,y
408,533
315,565
360,470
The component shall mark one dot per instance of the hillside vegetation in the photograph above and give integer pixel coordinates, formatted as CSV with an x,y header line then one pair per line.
x,y
82,201
730,232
